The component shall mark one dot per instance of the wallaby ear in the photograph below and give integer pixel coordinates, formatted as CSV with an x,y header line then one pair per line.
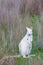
x,y
27,28
31,27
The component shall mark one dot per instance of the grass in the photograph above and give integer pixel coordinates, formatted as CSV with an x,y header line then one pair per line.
x,y
7,50
36,60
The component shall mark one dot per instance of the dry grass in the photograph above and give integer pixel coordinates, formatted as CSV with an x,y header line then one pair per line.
x,y
8,60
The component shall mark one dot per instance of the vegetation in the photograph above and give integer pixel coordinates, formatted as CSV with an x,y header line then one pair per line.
x,y
14,17
6,49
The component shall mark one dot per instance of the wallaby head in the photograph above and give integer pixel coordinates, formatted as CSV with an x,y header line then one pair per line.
x,y
29,30
25,45
29,33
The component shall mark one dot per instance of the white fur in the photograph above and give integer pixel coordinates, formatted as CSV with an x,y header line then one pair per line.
x,y
25,45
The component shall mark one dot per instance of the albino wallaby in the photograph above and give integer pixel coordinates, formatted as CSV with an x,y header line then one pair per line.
x,y
25,44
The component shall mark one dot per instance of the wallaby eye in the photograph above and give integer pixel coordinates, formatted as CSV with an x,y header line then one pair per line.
x,y
29,34
27,39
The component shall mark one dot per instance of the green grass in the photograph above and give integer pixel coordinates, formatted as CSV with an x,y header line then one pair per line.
x,y
29,61
7,50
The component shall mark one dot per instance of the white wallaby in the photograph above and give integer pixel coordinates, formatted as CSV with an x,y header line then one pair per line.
x,y
25,44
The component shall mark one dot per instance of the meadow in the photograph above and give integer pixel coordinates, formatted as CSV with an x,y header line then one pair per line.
x,y
15,16
7,48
